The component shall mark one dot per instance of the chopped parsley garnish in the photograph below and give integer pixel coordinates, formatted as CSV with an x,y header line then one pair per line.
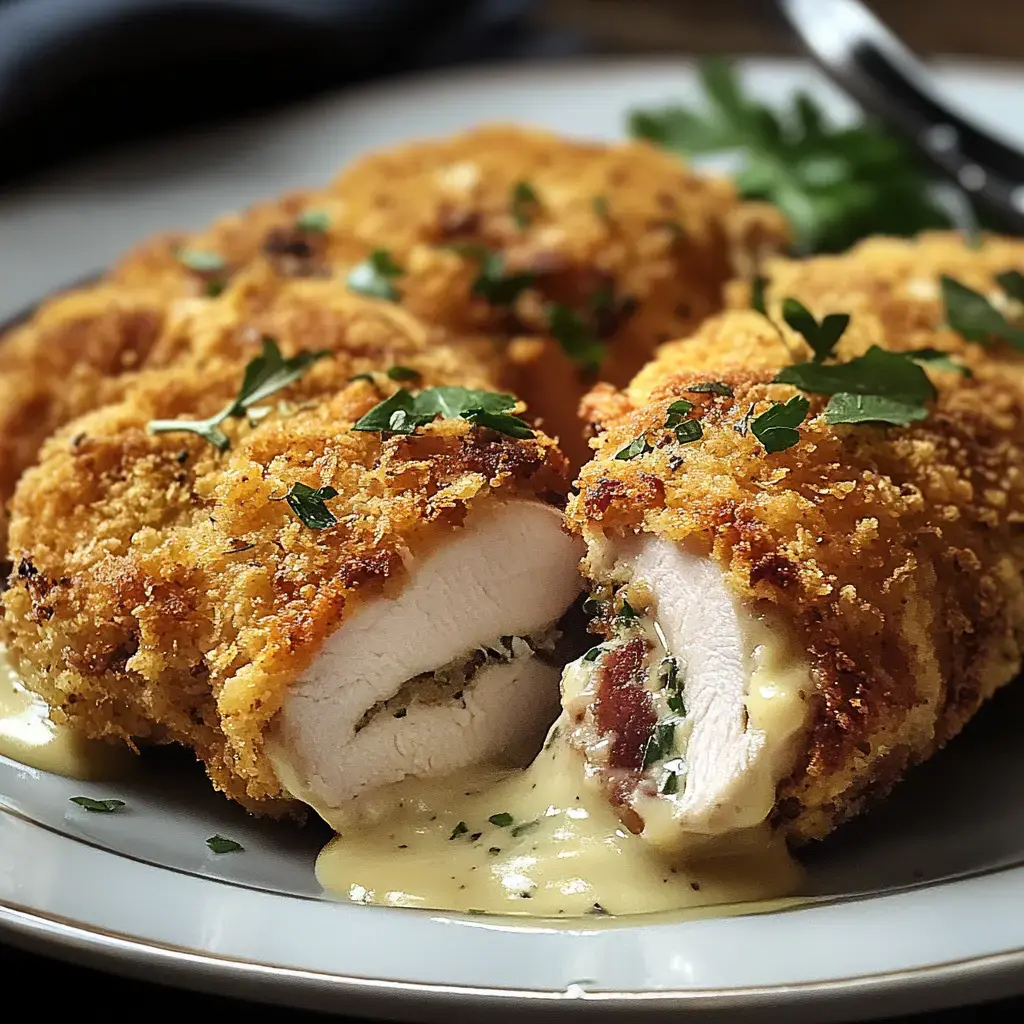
x,y
674,771
497,287
375,276
627,613
822,337
308,505
593,654
494,850
368,377
709,387
578,340
689,430
221,845
939,360
834,184
402,373
98,806
676,411
201,260
637,447
758,287
661,742
970,314
403,412
877,387
523,204
600,205
314,221
460,830
776,427
523,827
684,429
502,820
264,375
1012,283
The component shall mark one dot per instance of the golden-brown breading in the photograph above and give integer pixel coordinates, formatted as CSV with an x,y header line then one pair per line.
x,y
653,259
163,591
894,554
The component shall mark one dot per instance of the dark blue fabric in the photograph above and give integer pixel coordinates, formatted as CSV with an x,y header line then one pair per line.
x,y
79,74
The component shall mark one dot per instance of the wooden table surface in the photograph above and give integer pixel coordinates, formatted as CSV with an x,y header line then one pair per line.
x,y
992,28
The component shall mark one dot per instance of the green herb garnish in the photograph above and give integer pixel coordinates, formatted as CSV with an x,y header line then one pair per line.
x,y
834,184
776,427
314,221
497,287
403,412
600,205
684,429
822,337
710,387
593,654
221,845
402,373
877,387
758,288
264,375
637,447
201,260
577,339
524,826
627,613
676,411
375,276
661,742
362,376
502,820
970,314
939,360
523,204
308,505
1012,283
98,806
460,830
669,784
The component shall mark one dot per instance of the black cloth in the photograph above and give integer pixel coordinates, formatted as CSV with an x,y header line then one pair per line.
x,y
76,75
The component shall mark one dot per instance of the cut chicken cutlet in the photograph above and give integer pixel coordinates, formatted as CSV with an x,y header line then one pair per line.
x,y
787,632
270,604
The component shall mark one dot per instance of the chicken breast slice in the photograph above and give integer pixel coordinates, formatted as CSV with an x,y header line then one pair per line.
x,y
690,715
370,711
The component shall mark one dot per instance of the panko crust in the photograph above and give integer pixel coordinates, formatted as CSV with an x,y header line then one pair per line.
x,y
163,592
892,556
655,263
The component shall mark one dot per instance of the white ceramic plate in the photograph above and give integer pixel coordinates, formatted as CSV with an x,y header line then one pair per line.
x,y
920,904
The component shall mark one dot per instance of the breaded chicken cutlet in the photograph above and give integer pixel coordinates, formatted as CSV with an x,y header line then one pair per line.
x,y
792,622
326,604
517,234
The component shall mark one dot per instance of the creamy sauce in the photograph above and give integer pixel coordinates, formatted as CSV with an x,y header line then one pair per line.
x,y
564,853
28,736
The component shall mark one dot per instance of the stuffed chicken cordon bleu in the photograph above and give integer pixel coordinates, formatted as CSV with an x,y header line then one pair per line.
x,y
324,569
803,542
573,258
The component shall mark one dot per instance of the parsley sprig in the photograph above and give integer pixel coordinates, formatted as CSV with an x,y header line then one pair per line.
x,y
309,505
376,275
834,184
971,314
404,412
267,373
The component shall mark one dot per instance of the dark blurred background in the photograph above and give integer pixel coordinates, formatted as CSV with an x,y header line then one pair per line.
x,y
78,75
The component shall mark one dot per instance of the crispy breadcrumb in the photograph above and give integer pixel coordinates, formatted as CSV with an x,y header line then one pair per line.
x,y
164,592
893,554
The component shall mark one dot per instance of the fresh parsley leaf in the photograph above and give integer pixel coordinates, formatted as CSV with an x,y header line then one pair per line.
x,y
1012,283
689,430
98,806
661,742
460,830
971,315
308,505
709,387
776,427
375,276
834,184
637,447
497,287
403,412
878,372
670,784
523,204
201,260
316,222
268,373
676,411
822,337
684,429
221,845
849,408
600,205
758,297
502,820
593,654
578,341
627,613
939,360
402,373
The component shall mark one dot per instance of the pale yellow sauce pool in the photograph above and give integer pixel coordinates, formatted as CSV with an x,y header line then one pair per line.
x,y
29,737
